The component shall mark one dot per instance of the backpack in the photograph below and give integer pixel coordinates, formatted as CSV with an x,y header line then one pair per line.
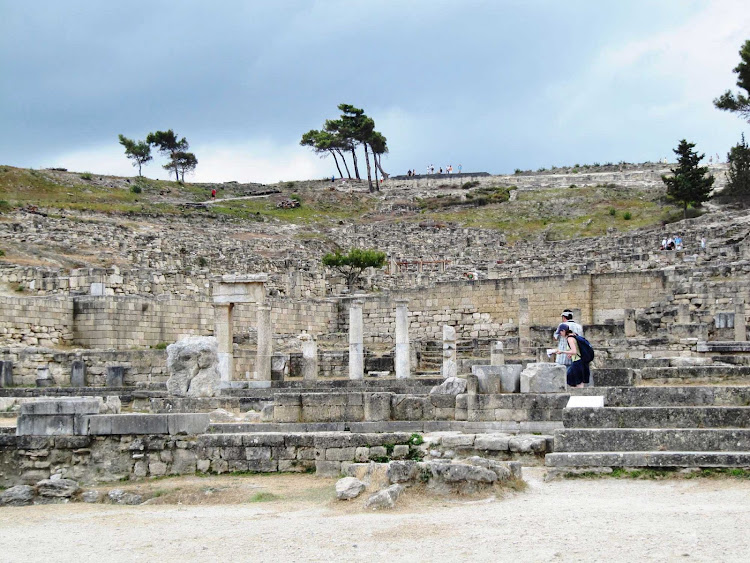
x,y
585,348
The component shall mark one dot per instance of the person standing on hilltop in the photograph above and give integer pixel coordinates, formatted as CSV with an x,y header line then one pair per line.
x,y
213,193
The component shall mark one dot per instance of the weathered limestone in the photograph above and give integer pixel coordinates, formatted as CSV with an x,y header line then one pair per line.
x,y
348,488
585,401
58,417
497,353
402,355
740,330
43,377
498,379
451,386
309,357
223,313
265,344
524,322
543,378
6,373
356,346
193,367
631,330
115,376
78,373
450,363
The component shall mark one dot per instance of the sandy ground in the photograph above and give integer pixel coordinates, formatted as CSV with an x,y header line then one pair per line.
x,y
572,520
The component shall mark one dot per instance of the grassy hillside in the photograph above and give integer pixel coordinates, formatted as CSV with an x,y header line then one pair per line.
x,y
561,213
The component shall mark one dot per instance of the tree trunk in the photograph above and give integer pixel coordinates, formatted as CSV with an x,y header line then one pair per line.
x,y
356,169
380,167
348,174
139,168
337,164
369,173
375,167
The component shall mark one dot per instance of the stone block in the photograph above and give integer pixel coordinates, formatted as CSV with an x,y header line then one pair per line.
x,y
6,373
498,379
72,405
133,423
50,425
340,454
115,376
188,423
543,378
78,373
325,468
492,442
377,406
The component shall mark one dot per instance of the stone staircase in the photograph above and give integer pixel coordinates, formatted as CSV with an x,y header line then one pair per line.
x,y
662,427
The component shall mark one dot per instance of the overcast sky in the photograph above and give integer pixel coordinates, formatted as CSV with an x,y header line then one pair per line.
x,y
491,84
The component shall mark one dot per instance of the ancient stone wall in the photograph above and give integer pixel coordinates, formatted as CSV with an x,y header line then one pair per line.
x,y
36,321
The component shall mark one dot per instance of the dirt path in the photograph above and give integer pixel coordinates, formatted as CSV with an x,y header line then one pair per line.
x,y
576,520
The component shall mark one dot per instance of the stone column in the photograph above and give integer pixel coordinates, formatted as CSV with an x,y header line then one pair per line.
x,y
78,373
265,344
524,322
497,353
450,361
740,330
356,346
6,373
223,313
402,356
309,357
630,327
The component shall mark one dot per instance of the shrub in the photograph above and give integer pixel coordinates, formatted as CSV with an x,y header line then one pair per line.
x,y
290,185
136,189
612,211
2,253
202,262
4,205
161,346
517,171
627,216
469,185
86,176
296,197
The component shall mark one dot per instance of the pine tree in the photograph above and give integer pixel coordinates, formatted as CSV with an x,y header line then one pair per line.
x,y
738,174
690,184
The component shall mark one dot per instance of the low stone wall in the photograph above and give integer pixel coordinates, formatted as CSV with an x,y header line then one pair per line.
x,y
141,366
108,458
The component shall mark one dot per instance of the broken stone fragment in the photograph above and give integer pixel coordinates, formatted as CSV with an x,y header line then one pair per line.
x,y
348,488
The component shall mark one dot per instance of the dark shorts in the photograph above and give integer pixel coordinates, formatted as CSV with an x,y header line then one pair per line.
x,y
578,372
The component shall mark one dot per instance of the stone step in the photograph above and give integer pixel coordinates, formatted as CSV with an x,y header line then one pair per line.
x,y
691,395
648,459
696,374
657,439
657,417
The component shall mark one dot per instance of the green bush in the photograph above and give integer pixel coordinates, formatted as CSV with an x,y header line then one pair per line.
x,y
86,176
202,262
469,185
612,211
627,216
296,197
2,253
161,346
136,189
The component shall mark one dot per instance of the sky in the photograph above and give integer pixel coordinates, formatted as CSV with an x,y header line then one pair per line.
x,y
493,85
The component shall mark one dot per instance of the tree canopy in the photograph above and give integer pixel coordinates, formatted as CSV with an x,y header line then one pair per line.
x,y
344,135
176,150
137,151
352,264
739,103
690,183
738,174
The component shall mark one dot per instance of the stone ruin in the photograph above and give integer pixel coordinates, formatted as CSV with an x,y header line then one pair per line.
x,y
438,379
193,365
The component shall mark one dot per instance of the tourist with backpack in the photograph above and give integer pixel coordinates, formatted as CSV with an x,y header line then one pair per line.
x,y
581,353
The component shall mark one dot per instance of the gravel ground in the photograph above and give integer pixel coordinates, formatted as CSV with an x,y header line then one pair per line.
x,y
572,520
